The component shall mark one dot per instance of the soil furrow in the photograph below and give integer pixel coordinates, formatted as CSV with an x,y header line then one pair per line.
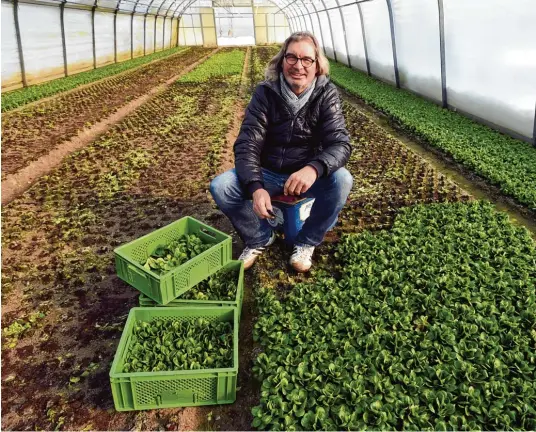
x,y
36,130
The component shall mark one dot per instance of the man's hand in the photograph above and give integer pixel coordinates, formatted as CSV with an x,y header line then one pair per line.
x,y
300,181
262,203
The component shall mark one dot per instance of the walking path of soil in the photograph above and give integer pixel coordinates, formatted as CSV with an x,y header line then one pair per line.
x,y
16,184
205,418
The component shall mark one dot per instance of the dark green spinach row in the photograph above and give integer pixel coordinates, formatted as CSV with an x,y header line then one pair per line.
x,y
163,345
179,251
220,286
19,97
506,162
432,326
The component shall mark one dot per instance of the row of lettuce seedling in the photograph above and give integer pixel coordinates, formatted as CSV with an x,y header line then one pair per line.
x,y
23,96
506,162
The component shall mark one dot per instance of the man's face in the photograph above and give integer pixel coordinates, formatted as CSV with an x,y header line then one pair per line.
x,y
297,76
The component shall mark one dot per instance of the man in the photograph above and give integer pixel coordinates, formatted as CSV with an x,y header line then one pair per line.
x,y
293,140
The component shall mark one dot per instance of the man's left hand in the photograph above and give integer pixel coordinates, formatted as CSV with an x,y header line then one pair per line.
x,y
300,182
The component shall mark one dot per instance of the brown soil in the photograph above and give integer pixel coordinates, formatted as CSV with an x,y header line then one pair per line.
x,y
58,256
14,184
33,131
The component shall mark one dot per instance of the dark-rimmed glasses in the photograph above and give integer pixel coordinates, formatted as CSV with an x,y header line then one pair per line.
x,y
305,61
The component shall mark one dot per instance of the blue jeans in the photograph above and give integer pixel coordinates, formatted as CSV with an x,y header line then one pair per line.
x,y
330,195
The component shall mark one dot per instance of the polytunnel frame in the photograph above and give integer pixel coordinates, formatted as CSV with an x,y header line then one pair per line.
x,y
63,4
296,24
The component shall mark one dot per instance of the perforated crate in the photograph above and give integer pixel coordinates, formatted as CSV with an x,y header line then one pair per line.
x,y
237,302
150,390
163,288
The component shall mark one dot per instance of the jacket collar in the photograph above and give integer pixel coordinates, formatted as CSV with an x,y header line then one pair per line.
x,y
321,82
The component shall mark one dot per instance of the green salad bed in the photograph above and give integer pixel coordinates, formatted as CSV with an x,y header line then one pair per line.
x,y
431,326
506,162
220,286
170,345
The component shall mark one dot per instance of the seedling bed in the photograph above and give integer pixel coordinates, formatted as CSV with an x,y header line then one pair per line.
x,y
179,388
196,296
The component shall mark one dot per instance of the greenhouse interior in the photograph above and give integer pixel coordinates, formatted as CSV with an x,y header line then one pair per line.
x,y
268,215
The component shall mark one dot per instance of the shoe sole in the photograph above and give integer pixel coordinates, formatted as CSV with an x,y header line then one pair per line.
x,y
300,269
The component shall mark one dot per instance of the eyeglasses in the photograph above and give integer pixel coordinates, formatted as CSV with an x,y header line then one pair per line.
x,y
305,61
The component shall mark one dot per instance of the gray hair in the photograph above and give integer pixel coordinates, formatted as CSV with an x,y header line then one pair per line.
x,y
276,64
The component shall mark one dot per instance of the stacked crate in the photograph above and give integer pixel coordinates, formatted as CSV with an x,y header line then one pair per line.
x,y
160,298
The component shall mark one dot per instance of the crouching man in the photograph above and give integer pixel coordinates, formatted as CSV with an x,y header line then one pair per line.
x,y
293,140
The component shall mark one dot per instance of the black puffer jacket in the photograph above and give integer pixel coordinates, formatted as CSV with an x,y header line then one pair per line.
x,y
272,137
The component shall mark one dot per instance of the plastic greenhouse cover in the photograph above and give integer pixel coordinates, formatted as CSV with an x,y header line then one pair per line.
x,y
159,33
491,68
328,43
354,37
168,34
137,29
10,54
41,42
78,40
123,37
378,34
417,46
149,35
338,36
104,38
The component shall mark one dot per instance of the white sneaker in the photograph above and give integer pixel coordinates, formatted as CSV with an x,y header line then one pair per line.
x,y
301,258
249,255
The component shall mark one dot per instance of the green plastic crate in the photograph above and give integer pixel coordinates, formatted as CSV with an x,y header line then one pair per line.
x,y
237,302
129,259
150,390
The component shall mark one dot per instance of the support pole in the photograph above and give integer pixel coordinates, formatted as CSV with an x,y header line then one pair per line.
x,y
93,34
63,43
534,131
19,43
393,41
444,99
364,38
115,36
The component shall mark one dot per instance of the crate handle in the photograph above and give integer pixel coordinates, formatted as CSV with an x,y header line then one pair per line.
x,y
208,233
134,273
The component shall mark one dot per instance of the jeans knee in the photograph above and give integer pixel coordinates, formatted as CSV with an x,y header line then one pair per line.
x,y
344,180
225,187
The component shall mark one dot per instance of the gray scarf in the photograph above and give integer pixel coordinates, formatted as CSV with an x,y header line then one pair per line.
x,y
295,102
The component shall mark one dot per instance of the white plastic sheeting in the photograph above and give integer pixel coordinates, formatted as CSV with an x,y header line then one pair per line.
x,y
137,29
41,42
149,34
378,34
78,40
104,38
11,74
159,33
417,46
123,37
354,37
491,61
